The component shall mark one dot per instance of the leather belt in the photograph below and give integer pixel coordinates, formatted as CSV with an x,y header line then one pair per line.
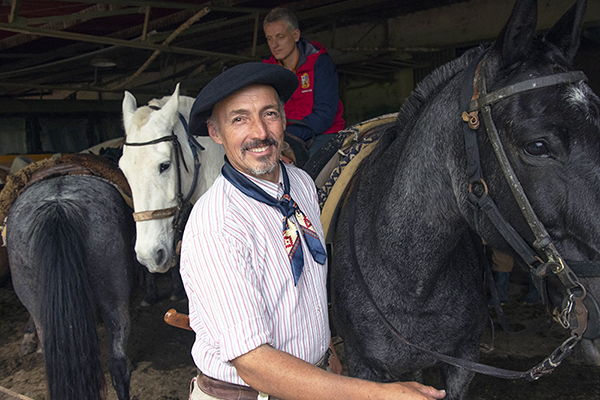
x,y
225,390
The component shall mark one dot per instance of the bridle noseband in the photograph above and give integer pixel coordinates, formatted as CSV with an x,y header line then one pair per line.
x,y
183,208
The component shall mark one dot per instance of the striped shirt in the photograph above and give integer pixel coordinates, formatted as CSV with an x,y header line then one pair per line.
x,y
239,281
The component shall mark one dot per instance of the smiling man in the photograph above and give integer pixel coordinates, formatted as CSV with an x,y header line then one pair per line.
x,y
253,261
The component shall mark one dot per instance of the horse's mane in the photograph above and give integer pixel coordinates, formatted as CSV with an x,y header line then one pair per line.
x,y
431,85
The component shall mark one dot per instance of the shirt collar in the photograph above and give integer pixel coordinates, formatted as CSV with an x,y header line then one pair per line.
x,y
273,189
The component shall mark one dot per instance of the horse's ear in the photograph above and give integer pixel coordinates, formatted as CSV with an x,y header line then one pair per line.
x,y
168,115
171,107
176,91
516,37
129,107
566,32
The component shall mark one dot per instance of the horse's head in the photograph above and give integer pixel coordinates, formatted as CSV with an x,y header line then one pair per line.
x,y
551,136
155,159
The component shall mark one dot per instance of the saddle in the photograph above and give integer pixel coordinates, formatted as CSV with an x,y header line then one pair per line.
x,y
69,164
358,141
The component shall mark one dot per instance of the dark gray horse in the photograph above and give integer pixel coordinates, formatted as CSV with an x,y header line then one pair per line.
x,y
70,246
413,215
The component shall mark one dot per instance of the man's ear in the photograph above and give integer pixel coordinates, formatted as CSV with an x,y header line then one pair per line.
x,y
296,34
214,134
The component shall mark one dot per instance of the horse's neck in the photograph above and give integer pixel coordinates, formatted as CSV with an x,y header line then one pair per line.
x,y
185,106
422,196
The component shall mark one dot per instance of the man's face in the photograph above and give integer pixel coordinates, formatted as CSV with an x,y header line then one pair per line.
x,y
281,39
250,127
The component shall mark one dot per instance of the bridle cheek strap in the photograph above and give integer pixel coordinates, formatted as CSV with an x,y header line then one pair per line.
x,y
574,314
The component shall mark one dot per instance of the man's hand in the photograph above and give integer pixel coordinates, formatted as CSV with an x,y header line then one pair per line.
x,y
415,391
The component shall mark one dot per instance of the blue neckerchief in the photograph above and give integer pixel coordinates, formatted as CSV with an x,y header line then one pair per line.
x,y
287,207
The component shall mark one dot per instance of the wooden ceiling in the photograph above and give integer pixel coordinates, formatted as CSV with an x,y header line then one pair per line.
x,y
60,48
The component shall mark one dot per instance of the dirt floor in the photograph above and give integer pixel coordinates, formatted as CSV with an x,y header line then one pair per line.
x,y
163,366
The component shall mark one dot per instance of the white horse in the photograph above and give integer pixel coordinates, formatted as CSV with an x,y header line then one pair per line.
x,y
159,163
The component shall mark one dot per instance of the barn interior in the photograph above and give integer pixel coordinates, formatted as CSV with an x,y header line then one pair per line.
x,y
64,65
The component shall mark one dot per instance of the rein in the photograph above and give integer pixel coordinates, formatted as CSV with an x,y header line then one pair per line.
x,y
543,368
183,208
575,313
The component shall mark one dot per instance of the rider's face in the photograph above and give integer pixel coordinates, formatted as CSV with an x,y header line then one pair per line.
x,y
282,40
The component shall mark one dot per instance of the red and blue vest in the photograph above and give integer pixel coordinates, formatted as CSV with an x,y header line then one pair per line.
x,y
301,103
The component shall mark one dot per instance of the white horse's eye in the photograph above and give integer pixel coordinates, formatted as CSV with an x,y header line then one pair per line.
x,y
164,166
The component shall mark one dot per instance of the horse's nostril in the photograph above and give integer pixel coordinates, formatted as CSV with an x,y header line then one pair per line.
x,y
160,257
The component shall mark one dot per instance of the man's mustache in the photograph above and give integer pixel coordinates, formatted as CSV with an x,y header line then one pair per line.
x,y
259,143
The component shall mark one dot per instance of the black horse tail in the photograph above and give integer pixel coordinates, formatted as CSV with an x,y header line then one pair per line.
x,y
68,317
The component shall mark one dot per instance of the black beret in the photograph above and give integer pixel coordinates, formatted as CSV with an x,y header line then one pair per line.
x,y
236,78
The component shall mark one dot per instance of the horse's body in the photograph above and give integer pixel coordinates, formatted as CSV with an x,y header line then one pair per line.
x,y
413,243
151,171
70,246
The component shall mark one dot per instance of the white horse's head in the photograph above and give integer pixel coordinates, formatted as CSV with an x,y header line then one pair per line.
x,y
152,172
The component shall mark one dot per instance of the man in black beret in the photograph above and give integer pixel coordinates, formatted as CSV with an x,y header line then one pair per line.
x,y
253,261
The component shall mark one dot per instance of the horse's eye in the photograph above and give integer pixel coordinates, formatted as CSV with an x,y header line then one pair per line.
x,y
164,166
537,149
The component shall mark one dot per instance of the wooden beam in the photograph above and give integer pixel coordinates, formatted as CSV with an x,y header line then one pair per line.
x,y
80,17
64,54
172,37
146,19
14,9
17,40
143,3
118,42
208,26
173,4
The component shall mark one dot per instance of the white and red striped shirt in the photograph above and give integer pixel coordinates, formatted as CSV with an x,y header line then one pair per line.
x,y
239,281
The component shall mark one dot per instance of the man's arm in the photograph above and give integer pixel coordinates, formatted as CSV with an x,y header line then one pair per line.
x,y
325,100
282,375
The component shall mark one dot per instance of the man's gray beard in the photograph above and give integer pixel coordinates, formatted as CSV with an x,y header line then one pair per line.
x,y
267,169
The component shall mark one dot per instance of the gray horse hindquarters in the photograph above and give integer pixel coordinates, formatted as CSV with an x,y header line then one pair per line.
x,y
70,245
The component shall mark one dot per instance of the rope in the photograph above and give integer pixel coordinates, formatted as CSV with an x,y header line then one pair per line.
x,y
14,394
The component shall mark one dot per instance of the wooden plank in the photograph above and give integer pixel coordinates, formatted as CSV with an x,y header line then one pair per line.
x,y
172,4
80,17
14,9
119,42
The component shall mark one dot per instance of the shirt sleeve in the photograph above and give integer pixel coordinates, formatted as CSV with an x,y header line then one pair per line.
x,y
225,303
325,100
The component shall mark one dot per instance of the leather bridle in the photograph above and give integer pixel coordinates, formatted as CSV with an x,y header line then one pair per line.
x,y
182,210
543,257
